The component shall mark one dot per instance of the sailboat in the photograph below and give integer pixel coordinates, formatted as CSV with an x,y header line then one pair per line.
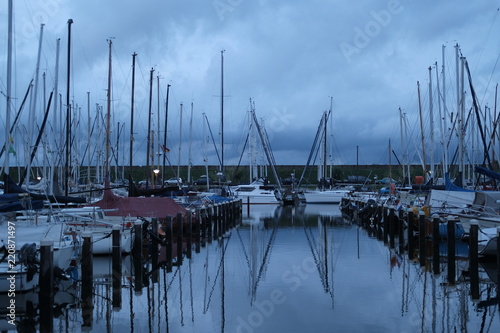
x,y
323,194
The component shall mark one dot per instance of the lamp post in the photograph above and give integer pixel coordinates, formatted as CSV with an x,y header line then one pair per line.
x,y
155,180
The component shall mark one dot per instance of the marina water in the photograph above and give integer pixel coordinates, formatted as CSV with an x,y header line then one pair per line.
x,y
282,269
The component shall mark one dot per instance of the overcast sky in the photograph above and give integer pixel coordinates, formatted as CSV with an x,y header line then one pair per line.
x,y
290,57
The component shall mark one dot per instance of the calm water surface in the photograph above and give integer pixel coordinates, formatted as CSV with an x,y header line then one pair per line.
x,y
286,269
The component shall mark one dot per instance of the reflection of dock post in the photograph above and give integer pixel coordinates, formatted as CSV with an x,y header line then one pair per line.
x,y
168,242
189,234
451,250
46,293
411,241
87,280
197,224
421,238
138,255
179,231
473,259
117,266
435,243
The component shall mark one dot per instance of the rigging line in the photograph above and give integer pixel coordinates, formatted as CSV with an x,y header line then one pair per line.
x,y
191,289
216,276
311,247
166,297
244,250
265,260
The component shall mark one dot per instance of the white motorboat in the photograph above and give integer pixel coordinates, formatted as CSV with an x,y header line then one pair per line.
x,y
326,197
256,193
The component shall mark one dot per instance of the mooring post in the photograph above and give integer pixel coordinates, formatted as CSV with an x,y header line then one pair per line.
x,y
421,238
116,264
473,259
411,240
197,224
204,217
435,243
378,222
210,221
248,206
138,256
179,237
401,231
154,243
391,227
168,243
46,280
87,281
386,224
216,221
189,234
498,256
451,250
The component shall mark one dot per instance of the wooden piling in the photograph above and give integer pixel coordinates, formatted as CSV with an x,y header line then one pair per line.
x,y
451,250
386,223
87,281
197,225
154,244
137,256
473,259
210,222
46,280
435,244
401,231
216,222
421,238
179,236
411,240
116,264
204,218
189,234
168,243
391,227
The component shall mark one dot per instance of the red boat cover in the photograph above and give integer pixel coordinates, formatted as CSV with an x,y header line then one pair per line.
x,y
159,207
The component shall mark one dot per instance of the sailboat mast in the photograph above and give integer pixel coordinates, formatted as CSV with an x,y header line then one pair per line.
x,y
132,112
431,119
222,109
9,82
180,144
108,116
424,162
148,149
165,133
68,113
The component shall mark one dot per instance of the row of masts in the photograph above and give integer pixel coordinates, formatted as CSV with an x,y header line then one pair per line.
x,y
65,145
450,124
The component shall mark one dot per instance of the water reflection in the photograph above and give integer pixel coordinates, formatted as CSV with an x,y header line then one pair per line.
x,y
289,269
